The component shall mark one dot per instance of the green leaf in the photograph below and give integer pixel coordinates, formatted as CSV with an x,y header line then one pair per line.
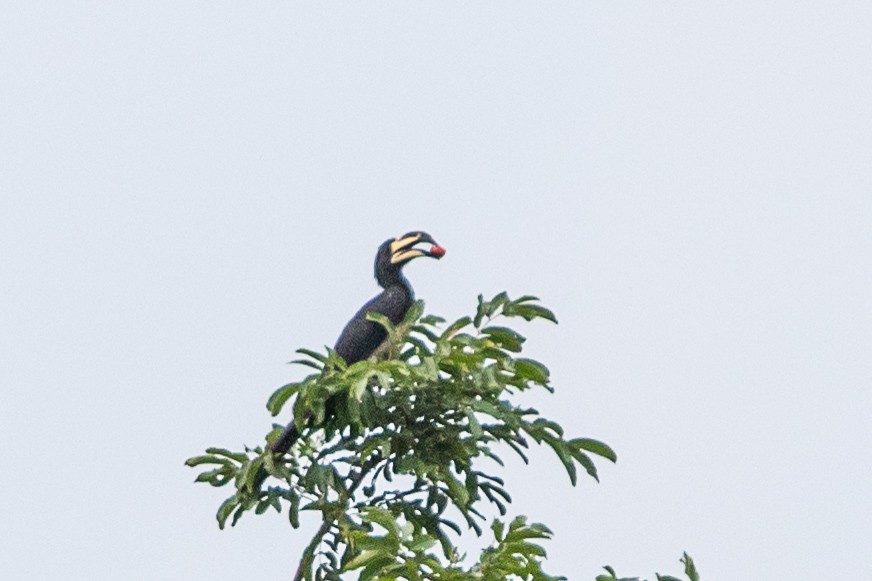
x,y
334,361
594,447
499,300
358,388
280,396
479,312
307,363
415,311
505,338
426,332
375,567
238,456
294,510
237,515
518,531
690,568
253,472
456,490
431,320
314,355
497,527
518,451
585,462
528,312
474,426
198,460
362,559
210,475
525,299
262,506
381,320
225,509
456,326
565,457
421,542
382,518
531,370
492,492
613,576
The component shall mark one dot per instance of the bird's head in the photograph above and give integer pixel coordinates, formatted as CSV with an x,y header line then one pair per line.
x,y
396,252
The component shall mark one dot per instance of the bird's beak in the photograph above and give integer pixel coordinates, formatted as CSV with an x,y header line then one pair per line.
x,y
403,248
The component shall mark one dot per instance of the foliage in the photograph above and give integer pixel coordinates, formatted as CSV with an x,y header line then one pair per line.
x,y
397,452
399,553
689,570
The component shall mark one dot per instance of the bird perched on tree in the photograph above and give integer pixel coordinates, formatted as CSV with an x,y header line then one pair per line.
x,y
361,337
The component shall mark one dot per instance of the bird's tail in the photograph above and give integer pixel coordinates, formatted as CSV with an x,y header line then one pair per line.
x,y
287,439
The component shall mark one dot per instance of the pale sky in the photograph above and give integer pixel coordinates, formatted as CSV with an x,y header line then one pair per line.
x,y
190,191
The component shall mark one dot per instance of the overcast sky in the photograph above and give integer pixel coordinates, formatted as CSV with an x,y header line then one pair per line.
x,y
190,191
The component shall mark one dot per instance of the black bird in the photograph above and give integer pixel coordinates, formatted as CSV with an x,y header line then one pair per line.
x,y
360,338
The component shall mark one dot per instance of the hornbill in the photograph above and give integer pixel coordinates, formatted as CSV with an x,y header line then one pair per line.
x,y
361,337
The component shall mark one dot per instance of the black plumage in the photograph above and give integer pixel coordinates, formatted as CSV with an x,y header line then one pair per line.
x,y
361,337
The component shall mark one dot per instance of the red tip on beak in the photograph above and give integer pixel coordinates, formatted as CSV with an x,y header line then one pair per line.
x,y
437,251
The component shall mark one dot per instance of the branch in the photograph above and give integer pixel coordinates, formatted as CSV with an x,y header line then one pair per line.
x,y
309,553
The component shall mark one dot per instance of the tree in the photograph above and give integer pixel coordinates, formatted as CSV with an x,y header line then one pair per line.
x,y
405,462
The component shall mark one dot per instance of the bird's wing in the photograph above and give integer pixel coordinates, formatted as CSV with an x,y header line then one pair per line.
x,y
361,337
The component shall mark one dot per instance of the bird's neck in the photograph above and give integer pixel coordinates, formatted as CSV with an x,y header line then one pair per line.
x,y
396,280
